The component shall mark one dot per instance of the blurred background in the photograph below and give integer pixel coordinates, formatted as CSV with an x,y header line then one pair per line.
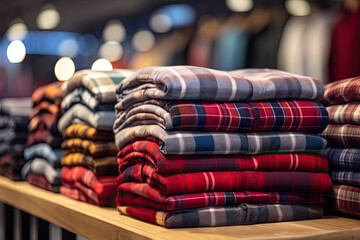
x,y
43,41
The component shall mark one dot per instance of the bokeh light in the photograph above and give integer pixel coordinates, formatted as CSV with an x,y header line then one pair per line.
x,y
64,69
16,51
102,64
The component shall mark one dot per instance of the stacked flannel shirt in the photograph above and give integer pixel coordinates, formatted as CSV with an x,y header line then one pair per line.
x,y
200,147
89,165
343,135
14,119
43,154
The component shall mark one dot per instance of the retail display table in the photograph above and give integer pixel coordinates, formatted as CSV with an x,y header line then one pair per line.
x,y
94,222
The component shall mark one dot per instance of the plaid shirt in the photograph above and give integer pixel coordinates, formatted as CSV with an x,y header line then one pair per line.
x,y
43,136
242,214
142,194
346,177
86,132
346,136
202,84
103,186
83,96
143,151
99,120
342,91
88,147
44,121
227,181
346,113
343,157
42,167
344,199
43,150
100,166
50,93
102,85
46,107
41,182
300,116
209,143
81,193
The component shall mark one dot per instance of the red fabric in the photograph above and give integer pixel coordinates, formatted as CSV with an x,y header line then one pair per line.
x,y
82,193
104,186
145,195
345,47
41,182
141,151
227,181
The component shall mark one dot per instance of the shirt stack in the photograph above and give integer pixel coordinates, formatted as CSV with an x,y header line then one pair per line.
x,y
14,119
200,147
343,135
43,154
89,165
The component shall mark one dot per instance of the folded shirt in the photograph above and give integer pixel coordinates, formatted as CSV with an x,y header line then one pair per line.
x,y
46,107
347,113
300,116
83,96
343,157
6,122
88,147
104,186
102,85
341,91
50,93
274,181
41,182
86,132
44,136
224,216
44,168
99,166
210,143
339,135
7,135
100,120
82,193
344,199
142,194
202,84
18,108
7,167
345,177
43,150
44,121
148,151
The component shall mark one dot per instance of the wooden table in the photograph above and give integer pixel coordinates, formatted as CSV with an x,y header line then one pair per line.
x,y
106,223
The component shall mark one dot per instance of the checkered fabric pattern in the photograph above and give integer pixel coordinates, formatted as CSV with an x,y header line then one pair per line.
x,y
224,216
102,85
346,136
46,107
227,181
86,132
44,136
104,186
83,96
344,199
100,120
343,157
148,151
100,166
88,147
44,121
142,194
41,182
341,91
300,116
210,143
345,177
346,113
43,150
50,93
202,84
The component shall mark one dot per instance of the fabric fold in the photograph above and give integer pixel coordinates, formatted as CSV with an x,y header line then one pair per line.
x,y
191,143
301,116
224,216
